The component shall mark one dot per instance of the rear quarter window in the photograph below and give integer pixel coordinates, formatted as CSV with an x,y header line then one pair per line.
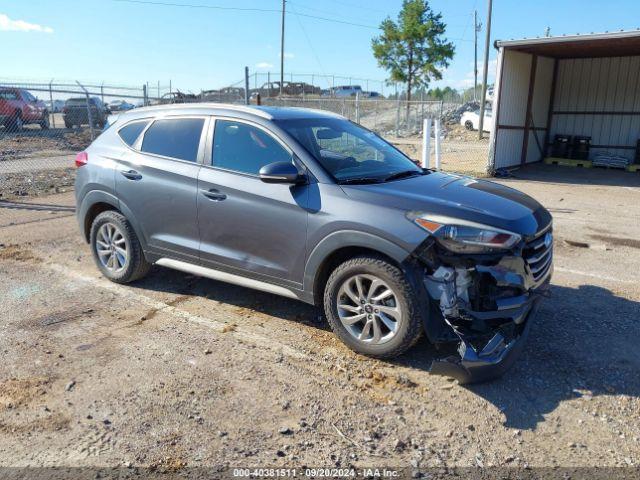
x,y
176,138
130,133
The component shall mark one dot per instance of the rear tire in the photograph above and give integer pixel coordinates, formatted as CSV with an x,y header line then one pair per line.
x,y
116,248
44,123
468,125
370,287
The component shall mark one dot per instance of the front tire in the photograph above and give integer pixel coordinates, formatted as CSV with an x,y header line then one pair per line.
x,y
116,248
16,123
372,308
468,125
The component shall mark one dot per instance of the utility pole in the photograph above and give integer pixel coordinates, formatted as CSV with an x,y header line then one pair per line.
x,y
282,49
487,41
477,27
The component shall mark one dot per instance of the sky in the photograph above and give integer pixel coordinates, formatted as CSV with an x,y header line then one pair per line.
x,y
130,42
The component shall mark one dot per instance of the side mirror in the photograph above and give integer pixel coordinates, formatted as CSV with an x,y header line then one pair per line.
x,y
280,172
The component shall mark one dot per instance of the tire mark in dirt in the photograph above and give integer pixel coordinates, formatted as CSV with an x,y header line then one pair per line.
x,y
165,307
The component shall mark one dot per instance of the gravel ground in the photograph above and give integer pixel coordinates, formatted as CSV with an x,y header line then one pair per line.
x,y
177,371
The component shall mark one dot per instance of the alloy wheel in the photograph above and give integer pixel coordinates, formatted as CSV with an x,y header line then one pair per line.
x,y
111,248
369,309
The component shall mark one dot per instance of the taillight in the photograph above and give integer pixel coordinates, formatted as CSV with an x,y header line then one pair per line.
x,y
81,159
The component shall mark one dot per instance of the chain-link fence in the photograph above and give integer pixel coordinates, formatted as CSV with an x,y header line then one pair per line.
x,y
401,123
43,125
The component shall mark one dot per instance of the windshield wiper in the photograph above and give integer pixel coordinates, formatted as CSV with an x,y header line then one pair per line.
x,y
359,181
402,174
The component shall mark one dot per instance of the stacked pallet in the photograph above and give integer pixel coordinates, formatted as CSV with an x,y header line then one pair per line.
x,y
610,161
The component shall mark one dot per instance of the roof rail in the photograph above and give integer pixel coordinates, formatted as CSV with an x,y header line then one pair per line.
x,y
208,105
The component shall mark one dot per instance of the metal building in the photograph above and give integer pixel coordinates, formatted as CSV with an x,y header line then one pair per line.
x,y
582,86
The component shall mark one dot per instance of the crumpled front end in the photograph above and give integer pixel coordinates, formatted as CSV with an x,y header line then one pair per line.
x,y
482,306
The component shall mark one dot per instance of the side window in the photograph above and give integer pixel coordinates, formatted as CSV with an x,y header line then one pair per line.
x,y
175,138
244,148
8,95
130,133
28,97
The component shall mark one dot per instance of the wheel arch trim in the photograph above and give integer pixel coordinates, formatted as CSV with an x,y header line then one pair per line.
x,y
346,239
95,197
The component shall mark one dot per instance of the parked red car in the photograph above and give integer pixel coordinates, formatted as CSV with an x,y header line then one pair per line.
x,y
18,108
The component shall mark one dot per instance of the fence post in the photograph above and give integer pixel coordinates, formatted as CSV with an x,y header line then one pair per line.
x,y
86,93
102,92
375,120
426,142
357,107
246,85
144,95
437,143
52,113
397,115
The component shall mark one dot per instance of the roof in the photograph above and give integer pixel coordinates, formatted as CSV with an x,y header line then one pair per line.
x,y
607,44
269,113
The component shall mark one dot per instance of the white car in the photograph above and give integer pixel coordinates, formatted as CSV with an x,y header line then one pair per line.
x,y
471,120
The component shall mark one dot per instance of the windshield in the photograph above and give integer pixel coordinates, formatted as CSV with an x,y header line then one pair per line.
x,y
350,153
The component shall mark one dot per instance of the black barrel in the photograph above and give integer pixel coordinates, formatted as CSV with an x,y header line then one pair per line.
x,y
580,148
561,144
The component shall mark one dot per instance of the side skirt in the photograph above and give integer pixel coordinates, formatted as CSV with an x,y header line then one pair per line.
x,y
226,277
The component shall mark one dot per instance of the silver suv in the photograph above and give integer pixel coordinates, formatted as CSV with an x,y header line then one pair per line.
x,y
308,205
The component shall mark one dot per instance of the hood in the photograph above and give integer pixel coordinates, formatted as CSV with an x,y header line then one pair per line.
x,y
460,197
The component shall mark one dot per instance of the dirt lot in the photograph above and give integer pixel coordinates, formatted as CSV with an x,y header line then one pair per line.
x,y
177,371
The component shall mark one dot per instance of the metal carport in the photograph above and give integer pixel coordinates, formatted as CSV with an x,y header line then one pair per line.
x,y
581,85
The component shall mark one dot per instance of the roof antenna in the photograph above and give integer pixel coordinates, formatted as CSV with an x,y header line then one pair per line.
x,y
547,32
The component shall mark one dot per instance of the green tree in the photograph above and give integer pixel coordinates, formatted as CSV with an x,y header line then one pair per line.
x,y
413,49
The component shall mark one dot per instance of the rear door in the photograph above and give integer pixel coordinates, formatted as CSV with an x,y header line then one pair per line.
x,y
246,225
157,180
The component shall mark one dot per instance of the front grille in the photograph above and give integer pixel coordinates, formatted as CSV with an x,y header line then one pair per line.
x,y
538,253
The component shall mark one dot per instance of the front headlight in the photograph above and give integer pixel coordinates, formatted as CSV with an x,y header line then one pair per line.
x,y
462,238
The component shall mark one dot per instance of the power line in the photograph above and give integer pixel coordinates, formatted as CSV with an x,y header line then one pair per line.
x,y
313,51
242,9
190,5
340,17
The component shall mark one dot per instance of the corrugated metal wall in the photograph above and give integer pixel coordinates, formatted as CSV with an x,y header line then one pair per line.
x,y
540,108
599,85
511,105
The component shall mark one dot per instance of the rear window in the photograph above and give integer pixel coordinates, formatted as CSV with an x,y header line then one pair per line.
x,y
176,138
130,133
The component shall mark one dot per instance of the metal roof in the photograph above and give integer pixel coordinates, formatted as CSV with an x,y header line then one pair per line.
x,y
607,44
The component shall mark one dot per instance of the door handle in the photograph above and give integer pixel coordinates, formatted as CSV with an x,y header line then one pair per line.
x,y
131,174
214,195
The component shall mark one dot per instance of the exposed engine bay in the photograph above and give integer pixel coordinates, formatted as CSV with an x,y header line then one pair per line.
x,y
483,304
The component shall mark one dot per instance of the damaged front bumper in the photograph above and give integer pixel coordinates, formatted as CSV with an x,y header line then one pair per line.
x,y
498,355
481,310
